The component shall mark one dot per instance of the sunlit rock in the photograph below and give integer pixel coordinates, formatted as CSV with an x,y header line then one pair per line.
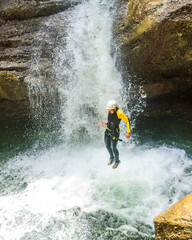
x,y
176,222
155,38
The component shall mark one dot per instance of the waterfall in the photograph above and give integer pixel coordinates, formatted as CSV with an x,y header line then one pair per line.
x,y
85,74
88,76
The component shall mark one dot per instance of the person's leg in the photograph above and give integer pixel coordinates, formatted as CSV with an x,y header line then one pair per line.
x,y
115,150
107,139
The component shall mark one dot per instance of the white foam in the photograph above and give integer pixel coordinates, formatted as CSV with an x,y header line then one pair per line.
x,y
58,180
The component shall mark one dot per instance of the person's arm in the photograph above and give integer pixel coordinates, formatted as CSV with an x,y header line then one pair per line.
x,y
122,116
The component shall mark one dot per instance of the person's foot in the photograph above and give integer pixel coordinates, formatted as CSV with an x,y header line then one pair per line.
x,y
115,165
111,161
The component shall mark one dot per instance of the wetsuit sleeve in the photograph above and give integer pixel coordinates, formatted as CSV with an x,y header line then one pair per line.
x,y
122,116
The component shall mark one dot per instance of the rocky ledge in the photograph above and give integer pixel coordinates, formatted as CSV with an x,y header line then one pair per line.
x,y
21,9
176,222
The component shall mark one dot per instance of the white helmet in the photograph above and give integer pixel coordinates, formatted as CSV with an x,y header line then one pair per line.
x,y
112,104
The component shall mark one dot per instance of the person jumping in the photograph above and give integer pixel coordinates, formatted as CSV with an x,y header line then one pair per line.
x,y
115,115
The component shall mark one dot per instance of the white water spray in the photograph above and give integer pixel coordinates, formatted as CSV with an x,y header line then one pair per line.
x,y
58,194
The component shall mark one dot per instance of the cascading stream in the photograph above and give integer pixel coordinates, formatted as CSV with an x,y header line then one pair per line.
x,y
90,78
69,192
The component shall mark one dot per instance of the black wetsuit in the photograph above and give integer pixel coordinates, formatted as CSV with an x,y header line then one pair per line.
x,y
112,135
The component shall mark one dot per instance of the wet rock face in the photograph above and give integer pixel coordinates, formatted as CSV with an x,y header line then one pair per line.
x,y
176,222
29,34
155,37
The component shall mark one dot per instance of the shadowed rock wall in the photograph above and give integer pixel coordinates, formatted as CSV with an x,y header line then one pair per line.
x,y
29,32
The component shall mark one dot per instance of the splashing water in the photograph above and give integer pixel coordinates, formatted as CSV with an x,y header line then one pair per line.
x,y
74,195
70,193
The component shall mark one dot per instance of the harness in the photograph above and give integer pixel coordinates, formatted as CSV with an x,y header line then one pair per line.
x,y
113,126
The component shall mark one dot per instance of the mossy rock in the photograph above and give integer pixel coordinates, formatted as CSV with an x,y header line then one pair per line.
x,y
155,38
11,88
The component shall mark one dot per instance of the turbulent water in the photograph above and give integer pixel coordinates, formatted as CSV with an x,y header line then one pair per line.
x,y
64,189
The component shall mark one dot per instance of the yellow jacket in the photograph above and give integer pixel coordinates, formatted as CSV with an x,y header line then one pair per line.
x,y
122,116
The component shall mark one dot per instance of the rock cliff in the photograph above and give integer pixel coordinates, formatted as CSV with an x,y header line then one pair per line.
x,y
176,222
28,34
155,38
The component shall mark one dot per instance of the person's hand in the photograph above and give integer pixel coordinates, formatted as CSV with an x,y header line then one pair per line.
x,y
103,124
127,135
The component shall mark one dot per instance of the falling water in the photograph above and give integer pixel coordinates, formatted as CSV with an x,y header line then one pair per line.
x,y
68,191
90,77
